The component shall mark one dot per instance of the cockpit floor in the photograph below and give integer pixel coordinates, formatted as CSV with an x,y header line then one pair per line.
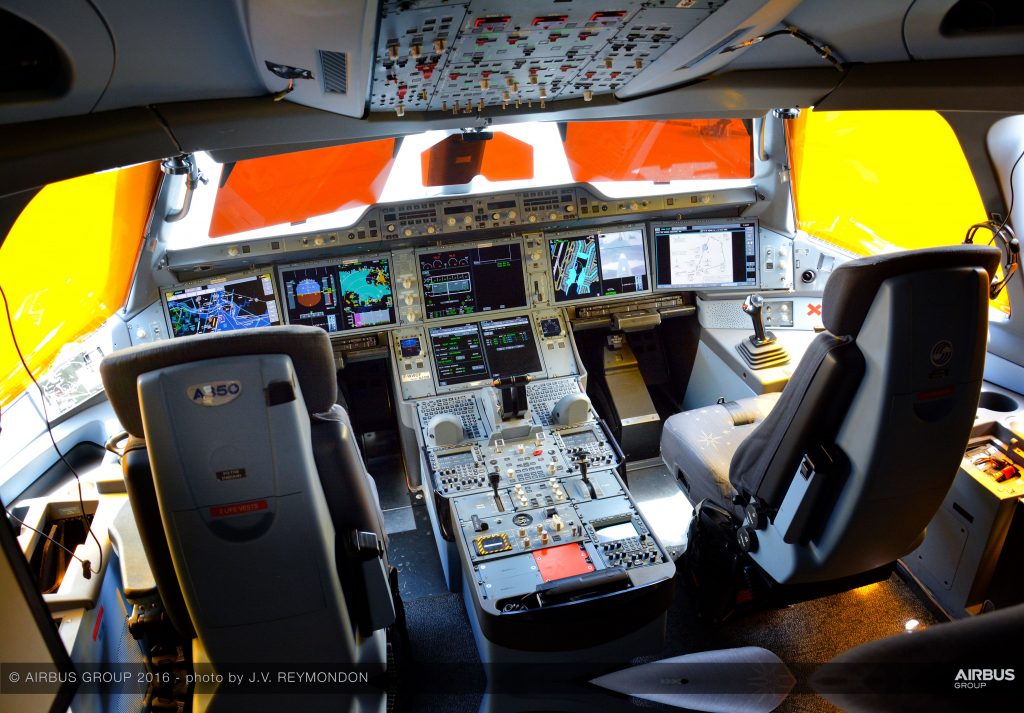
x,y
803,635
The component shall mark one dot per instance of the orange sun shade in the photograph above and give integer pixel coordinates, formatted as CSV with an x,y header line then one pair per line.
x,y
292,187
456,161
660,151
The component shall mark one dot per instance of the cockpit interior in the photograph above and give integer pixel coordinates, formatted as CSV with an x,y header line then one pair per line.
x,y
467,355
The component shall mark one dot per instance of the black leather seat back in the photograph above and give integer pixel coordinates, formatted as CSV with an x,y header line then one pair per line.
x,y
866,439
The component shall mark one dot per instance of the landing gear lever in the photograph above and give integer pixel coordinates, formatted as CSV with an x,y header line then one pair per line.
x,y
753,306
583,461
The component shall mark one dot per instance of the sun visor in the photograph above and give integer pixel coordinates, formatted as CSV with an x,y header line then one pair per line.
x,y
457,159
292,187
660,151
314,52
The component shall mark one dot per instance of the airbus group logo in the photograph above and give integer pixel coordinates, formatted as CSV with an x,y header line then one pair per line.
x,y
216,393
981,677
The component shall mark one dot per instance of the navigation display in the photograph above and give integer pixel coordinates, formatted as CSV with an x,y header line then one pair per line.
x,y
339,296
223,305
474,280
482,351
598,265
706,255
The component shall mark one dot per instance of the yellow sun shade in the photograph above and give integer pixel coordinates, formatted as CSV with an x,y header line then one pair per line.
x,y
874,182
67,264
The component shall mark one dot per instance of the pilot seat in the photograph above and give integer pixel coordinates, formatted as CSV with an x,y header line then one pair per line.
x,y
256,512
830,482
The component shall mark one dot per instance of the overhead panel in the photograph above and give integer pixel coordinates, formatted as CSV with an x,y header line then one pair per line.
x,y
463,57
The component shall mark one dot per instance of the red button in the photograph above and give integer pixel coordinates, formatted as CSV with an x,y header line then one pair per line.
x,y
538,452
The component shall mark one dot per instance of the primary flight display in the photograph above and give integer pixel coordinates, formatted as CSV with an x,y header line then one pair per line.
x,y
339,296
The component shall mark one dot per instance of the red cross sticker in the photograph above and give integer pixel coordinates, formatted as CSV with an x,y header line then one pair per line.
x,y
813,310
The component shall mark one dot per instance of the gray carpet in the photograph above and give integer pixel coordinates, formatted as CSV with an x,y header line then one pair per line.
x,y
803,635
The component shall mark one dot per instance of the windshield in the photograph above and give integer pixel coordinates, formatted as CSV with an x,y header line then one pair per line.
x,y
332,187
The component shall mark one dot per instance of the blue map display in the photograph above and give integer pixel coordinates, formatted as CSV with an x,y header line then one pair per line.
x,y
598,265
239,304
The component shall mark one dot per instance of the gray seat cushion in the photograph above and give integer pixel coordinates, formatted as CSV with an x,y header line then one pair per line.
x,y
699,444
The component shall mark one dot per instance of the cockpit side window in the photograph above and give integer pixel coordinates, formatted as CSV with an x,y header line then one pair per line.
x,y
874,182
65,266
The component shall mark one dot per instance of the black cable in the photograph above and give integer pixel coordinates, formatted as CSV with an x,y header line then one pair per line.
x,y
1010,245
823,50
86,564
1009,211
49,429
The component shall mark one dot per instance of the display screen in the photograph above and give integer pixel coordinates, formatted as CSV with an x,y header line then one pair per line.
x,y
411,347
339,297
579,439
598,265
474,280
222,306
457,354
454,460
706,255
612,533
482,351
509,347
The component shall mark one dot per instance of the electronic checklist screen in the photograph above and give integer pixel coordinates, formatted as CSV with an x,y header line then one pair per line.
x,y
699,255
478,351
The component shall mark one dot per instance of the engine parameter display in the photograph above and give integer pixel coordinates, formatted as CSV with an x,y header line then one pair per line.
x,y
222,306
341,296
479,351
471,281
598,265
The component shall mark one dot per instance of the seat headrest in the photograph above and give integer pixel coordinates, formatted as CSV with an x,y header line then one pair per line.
x,y
851,288
308,347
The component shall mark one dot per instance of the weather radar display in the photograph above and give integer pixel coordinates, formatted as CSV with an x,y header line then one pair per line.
x,y
235,303
339,296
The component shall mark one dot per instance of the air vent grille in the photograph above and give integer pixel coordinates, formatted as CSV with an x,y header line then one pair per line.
x,y
334,71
